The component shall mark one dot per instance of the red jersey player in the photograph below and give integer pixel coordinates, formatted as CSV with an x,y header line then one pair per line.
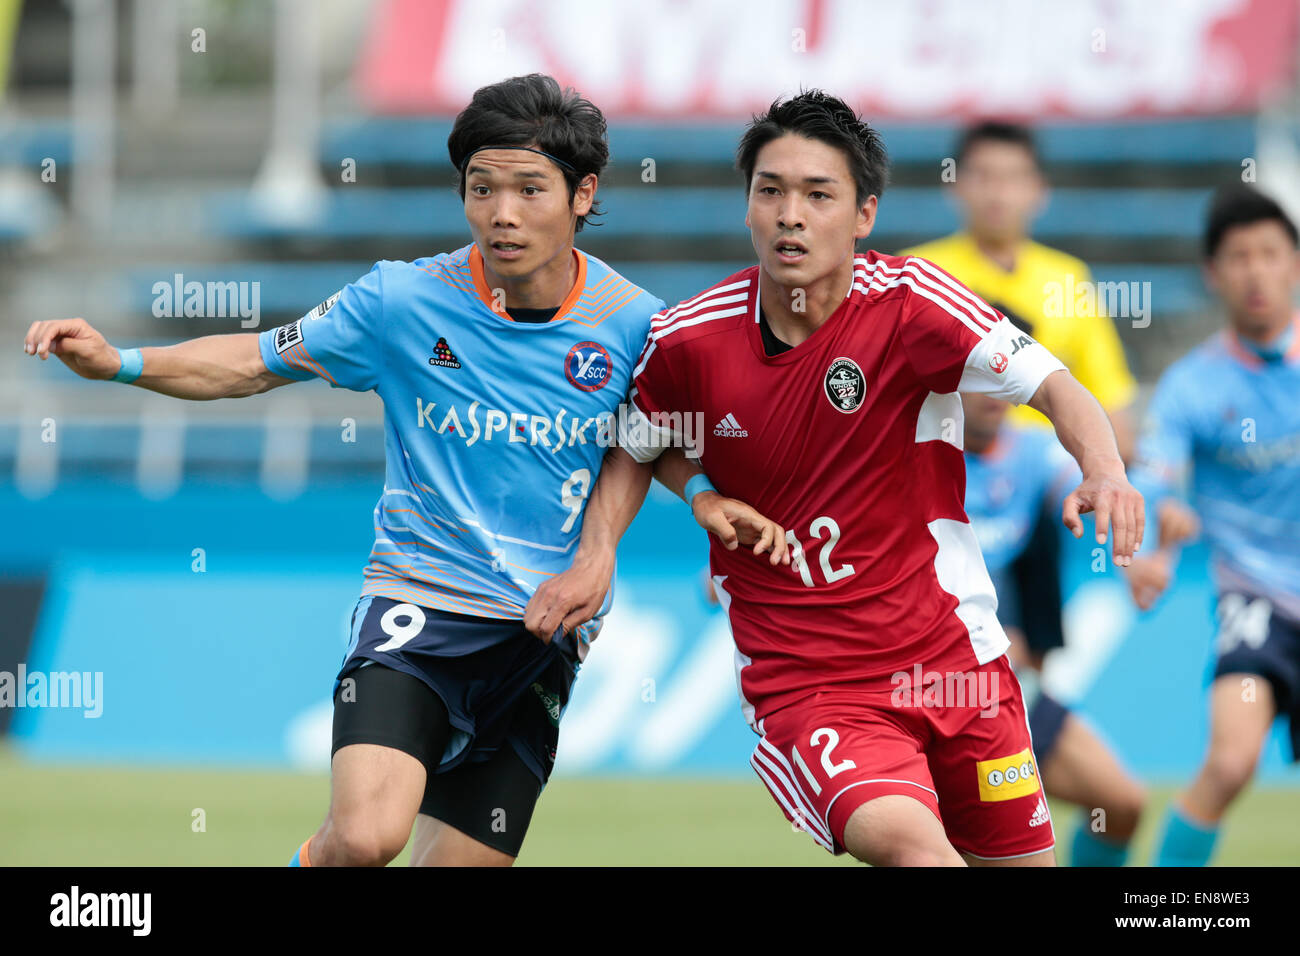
x,y
873,667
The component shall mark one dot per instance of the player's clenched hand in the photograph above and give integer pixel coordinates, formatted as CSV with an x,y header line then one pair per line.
x,y
1148,576
81,348
736,523
1118,507
570,598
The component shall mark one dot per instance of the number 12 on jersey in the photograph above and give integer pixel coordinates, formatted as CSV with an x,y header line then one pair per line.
x,y
800,564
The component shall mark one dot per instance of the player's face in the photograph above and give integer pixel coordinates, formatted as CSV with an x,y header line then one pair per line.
x,y
519,212
983,415
1000,190
803,215
1255,271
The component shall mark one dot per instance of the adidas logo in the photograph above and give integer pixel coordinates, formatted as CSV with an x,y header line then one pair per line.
x,y
442,355
730,428
1040,814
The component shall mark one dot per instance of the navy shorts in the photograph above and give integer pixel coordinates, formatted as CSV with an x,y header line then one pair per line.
x,y
501,684
1252,639
1046,718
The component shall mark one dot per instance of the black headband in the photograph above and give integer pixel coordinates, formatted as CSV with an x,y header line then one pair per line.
x,y
555,159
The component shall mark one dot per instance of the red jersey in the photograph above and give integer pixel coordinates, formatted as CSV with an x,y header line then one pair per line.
x,y
852,441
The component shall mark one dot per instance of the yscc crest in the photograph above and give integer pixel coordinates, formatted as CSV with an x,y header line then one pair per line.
x,y
588,366
845,385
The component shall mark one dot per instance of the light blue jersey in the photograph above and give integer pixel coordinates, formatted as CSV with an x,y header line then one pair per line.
x,y
1234,420
1007,485
495,430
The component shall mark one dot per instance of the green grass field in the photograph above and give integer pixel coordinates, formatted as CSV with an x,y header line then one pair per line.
x,y
98,816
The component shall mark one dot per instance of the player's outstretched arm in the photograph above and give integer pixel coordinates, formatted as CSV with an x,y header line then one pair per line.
x,y
214,366
1085,432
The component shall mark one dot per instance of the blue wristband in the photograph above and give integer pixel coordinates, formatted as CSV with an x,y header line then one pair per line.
x,y
696,485
132,365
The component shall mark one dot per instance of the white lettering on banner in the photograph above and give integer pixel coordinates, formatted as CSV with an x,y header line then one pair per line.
x,y
965,56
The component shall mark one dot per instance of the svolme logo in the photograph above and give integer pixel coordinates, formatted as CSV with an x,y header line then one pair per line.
x,y
75,908
66,689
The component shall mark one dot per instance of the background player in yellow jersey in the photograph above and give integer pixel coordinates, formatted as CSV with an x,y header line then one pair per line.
x,y
1000,189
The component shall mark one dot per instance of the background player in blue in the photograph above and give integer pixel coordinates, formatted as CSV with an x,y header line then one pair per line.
x,y
1014,475
501,366
1229,413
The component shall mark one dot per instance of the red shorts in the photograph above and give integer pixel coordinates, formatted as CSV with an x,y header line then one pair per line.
x,y
960,746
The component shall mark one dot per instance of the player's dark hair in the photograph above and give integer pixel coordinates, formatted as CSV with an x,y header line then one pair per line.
x,y
533,111
997,131
1242,205
820,116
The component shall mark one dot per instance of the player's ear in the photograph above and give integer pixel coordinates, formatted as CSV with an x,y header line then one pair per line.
x,y
866,218
584,194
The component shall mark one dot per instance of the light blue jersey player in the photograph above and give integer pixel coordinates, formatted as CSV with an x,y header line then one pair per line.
x,y
1225,422
496,425
494,428
1017,478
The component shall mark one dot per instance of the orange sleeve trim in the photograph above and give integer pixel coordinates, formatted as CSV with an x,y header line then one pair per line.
x,y
300,352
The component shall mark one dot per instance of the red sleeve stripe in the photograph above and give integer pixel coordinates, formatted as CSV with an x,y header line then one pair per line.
x,y
988,316
939,282
669,314
959,309
713,303
658,334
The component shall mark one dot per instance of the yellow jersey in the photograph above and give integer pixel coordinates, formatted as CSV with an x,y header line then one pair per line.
x,y
1042,290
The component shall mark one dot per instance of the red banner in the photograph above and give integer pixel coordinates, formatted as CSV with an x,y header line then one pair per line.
x,y
914,60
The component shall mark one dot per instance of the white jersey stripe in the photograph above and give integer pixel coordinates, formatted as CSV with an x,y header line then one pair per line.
x,y
964,317
668,318
785,802
801,794
687,323
925,273
815,824
720,290
956,287
961,297
645,357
